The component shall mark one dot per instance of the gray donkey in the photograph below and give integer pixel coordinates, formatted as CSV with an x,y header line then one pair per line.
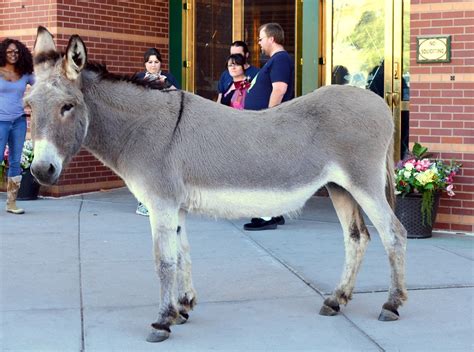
x,y
180,153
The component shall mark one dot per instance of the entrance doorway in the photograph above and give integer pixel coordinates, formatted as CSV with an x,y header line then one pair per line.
x,y
367,45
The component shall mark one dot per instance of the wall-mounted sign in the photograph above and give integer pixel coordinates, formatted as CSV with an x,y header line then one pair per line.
x,y
433,49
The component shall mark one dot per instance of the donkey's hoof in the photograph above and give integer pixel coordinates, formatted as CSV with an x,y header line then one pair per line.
x,y
182,318
329,311
158,333
388,315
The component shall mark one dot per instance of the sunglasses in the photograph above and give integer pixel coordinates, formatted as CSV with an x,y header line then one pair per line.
x,y
13,52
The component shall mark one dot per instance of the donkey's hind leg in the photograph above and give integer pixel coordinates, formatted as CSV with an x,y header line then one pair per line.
x,y
164,222
394,239
186,292
356,238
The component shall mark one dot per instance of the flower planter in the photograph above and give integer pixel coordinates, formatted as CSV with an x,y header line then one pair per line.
x,y
408,211
29,188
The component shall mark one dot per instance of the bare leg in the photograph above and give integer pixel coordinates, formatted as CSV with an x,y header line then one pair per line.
x,y
164,222
356,238
186,292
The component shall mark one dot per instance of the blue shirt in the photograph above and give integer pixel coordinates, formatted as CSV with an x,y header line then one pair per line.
x,y
280,68
226,79
11,97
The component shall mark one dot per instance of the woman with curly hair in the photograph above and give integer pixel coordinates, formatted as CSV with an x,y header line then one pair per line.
x,y
16,72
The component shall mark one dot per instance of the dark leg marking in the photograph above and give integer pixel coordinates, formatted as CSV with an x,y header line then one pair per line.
x,y
161,329
354,232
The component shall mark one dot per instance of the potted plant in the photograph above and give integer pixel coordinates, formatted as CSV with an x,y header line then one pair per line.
x,y
419,182
29,188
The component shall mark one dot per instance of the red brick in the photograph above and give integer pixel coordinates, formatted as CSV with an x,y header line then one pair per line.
x,y
462,227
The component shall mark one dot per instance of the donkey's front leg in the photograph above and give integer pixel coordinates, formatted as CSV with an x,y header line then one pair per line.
x,y
164,222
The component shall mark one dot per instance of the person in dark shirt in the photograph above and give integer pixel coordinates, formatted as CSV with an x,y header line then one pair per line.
x,y
237,47
153,61
273,85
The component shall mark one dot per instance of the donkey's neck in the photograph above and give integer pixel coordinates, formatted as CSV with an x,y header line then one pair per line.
x,y
120,113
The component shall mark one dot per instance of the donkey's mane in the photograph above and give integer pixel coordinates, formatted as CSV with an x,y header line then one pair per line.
x,y
103,74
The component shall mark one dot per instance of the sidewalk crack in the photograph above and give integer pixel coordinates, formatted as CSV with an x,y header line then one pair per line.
x,y
81,298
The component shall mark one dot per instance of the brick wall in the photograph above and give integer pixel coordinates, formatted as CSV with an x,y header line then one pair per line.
x,y
442,101
115,32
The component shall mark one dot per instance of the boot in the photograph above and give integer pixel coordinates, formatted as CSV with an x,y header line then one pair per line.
x,y
13,186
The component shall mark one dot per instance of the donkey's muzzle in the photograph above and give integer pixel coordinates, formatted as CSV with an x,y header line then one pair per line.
x,y
45,172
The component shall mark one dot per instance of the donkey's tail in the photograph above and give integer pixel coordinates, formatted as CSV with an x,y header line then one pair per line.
x,y
390,182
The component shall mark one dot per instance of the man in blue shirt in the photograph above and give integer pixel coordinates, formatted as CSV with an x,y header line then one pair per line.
x,y
237,47
273,85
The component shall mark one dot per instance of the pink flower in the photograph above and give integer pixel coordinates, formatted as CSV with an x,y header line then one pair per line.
x,y
422,165
449,189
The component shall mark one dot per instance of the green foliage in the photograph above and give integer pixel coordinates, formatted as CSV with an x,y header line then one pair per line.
x,y
427,200
419,151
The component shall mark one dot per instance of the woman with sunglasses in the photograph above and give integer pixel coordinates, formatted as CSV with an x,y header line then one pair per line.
x,y
16,72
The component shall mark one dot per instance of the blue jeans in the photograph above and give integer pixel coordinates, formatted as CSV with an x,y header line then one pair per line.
x,y
13,133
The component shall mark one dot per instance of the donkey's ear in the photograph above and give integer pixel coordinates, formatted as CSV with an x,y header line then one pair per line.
x,y
45,54
76,57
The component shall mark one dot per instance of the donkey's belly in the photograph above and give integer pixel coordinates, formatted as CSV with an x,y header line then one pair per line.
x,y
235,203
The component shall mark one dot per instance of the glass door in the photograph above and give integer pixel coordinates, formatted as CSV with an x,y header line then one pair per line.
x,y
210,26
364,48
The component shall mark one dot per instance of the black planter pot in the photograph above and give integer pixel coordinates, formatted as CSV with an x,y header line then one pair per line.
x,y
29,188
408,211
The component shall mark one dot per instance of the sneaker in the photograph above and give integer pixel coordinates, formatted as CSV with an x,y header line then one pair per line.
x,y
280,220
258,224
141,210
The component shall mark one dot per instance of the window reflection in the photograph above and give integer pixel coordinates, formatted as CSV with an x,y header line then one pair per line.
x,y
213,38
358,43
213,33
406,52
258,12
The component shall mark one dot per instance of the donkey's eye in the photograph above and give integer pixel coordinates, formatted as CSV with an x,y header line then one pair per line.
x,y
66,107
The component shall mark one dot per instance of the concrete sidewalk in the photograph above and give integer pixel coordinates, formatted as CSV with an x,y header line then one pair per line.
x,y
77,274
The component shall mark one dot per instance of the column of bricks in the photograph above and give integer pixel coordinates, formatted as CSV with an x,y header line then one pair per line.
x,y
116,33
442,101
